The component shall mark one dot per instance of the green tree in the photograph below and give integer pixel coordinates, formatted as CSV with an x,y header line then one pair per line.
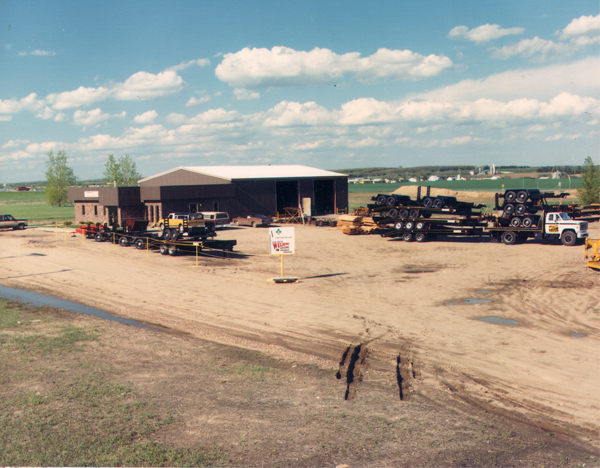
x,y
590,184
59,178
121,172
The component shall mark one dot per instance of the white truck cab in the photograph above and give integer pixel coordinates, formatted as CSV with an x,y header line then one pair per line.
x,y
566,229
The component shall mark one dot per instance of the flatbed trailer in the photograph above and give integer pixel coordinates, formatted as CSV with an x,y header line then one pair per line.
x,y
430,229
174,248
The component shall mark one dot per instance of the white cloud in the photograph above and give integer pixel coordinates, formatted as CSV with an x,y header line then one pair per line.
x,y
14,106
242,94
282,66
146,117
584,25
176,118
143,85
482,34
14,143
37,52
188,64
541,48
5,118
77,98
93,117
193,101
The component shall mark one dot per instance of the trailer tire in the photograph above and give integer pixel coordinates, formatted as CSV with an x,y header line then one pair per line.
x,y
413,214
403,213
568,238
398,225
163,249
393,213
381,200
140,244
438,203
515,222
167,234
420,237
124,242
420,225
509,209
509,237
391,200
510,196
427,202
521,209
409,225
99,237
172,250
407,237
527,222
522,196
174,235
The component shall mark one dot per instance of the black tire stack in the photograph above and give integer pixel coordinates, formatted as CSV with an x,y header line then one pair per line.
x,y
519,207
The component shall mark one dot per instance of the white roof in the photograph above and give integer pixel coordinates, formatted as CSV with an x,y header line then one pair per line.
x,y
254,172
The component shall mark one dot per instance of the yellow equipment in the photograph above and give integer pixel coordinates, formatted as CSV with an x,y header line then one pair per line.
x,y
595,257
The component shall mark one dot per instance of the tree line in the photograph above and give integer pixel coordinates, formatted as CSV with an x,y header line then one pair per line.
x,y
59,176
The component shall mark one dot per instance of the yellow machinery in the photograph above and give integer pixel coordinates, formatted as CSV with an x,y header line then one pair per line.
x,y
595,257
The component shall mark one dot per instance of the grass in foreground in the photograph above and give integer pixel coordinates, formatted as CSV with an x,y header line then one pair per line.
x,y
56,409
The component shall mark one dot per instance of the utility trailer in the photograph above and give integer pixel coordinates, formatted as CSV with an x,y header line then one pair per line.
x,y
130,233
422,230
175,248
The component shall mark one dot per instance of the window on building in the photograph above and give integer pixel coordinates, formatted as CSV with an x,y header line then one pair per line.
x,y
83,210
95,210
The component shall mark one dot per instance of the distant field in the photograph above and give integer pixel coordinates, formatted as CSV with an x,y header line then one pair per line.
x,y
33,207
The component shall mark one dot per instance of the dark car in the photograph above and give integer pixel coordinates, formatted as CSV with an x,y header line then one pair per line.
x,y
252,220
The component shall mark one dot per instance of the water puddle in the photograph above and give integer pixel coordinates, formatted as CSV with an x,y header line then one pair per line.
x,y
477,301
483,291
577,335
43,300
498,320
450,303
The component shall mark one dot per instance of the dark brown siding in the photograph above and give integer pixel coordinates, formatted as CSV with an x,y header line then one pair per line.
x,y
341,194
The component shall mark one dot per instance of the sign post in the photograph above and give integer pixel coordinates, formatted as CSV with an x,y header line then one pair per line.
x,y
281,242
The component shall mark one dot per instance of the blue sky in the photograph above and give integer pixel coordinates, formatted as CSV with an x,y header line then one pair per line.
x,y
329,84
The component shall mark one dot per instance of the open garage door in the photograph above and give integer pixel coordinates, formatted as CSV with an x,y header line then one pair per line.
x,y
287,195
324,197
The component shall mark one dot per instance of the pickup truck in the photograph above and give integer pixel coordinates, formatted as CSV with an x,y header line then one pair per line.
x,y
190,224
8,222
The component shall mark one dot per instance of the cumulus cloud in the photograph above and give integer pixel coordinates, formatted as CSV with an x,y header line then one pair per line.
x,y
93,117
584,25
188,64
242,94
144,85
37,52
14,106
194,101
283,66
482,34
146,117
80,97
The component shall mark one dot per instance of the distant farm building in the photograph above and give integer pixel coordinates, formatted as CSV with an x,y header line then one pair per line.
x,y
238,190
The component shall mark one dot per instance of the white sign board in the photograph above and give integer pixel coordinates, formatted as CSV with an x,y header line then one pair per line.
x,y
281,240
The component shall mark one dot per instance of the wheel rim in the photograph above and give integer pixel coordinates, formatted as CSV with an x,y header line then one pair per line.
x,y
522,196
510,196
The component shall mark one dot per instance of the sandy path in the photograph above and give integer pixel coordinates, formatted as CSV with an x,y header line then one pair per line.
x,y
402,299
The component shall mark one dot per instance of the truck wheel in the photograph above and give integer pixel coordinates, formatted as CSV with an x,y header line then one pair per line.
x,y
420,237
510,196
99,238
163,249
568,238
420,225
398,225
172,250
427,202
403,213
515,222
522,196
124,242
161,226
391,201
140,244
509,237
174,235
521,209
413,214
21,226
167,235
407,237
508,209
381,200
527,222
393,213
438,203
409,225
253,224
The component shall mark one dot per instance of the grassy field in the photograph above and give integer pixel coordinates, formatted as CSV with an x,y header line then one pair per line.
x,y
33,207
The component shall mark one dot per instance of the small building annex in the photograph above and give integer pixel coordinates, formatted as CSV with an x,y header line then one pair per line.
x,y
238,190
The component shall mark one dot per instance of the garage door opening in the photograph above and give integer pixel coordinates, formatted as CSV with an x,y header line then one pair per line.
x,y
324,197
287,195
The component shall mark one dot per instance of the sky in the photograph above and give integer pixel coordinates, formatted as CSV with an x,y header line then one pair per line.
x,y
328,84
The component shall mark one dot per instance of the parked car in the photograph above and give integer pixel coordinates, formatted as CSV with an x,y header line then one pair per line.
x,y
8,222
252,220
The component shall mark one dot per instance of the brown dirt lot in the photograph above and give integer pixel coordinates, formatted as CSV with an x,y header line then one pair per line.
x,y
370,320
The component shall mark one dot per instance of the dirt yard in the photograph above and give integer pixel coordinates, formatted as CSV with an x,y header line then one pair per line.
x,y
388,329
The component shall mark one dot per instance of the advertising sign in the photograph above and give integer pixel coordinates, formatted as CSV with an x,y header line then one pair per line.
x,y
281,240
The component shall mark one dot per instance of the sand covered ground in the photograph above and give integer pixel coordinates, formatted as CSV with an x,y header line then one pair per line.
x,y
414,308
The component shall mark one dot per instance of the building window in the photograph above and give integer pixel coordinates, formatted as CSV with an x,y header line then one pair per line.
x,y
82,210
95,210
104,210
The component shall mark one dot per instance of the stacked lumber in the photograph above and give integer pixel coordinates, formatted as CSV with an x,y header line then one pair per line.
x,y
355,225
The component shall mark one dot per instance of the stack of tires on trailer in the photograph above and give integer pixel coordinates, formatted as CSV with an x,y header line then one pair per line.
x,y
519,207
